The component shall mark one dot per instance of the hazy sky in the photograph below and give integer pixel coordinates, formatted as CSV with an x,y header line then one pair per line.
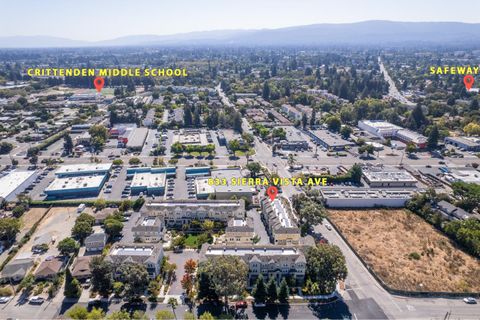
x,y
107,19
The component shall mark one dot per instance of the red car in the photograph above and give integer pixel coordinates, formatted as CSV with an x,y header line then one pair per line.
x,y
241,305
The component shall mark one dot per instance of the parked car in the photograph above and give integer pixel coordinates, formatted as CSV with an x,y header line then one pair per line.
x,y
4,299
36,300
328,226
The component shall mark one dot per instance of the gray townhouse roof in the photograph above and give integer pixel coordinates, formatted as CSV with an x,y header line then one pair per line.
x,y
135,253
95,238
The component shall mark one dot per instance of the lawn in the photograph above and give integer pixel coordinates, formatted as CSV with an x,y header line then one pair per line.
x,y
407,252
191,241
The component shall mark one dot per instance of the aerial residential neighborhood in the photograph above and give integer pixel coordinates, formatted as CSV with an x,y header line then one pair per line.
x,y
322,171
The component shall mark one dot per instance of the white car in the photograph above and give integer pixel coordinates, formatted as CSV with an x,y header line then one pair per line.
x,y
4,299
470,300
36,300
328,226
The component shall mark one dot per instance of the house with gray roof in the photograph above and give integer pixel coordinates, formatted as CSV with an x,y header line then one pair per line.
x,y
239,231
451,212
95,242
15,270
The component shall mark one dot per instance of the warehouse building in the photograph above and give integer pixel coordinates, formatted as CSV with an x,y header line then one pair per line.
x,y
136,139
384,130
148,183
87,169
15,182
329,140
78,181
466,143
168,171
377,177
226,191
366,198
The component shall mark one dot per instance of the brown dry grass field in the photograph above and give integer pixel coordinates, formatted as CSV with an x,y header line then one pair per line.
x,y
387,240
30,217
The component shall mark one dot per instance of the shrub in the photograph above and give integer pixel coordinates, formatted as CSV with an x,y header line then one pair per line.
x,y
414,256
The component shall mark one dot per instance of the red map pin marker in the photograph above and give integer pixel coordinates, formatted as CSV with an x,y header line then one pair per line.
x,y
99,82
468,80
272,192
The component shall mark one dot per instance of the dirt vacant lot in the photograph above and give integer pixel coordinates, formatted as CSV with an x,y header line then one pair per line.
x,y
30,217
407,252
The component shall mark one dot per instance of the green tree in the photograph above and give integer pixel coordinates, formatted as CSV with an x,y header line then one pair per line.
x,y
68,144
102,275
255,168
433,136
72,286
237,122
5,147
345,132
139,315
77,312
138,204
67,246
325,266
283,291
18,211
356,173
206,316
96,314
118,315
304,121
118,288
117,162
227,275
135,278
81,230
9,227
333,123
205,288
266,91
259,291
172,302
100,204
134,161
272,293
164,315
411,148
113,227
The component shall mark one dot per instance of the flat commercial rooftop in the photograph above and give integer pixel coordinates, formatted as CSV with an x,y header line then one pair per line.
x,y
76,183
331,139
149,180
366,194
466,175
137,137
83,168
389,176
12,181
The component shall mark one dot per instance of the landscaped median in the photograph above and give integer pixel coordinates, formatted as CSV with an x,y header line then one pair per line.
x,y
406,253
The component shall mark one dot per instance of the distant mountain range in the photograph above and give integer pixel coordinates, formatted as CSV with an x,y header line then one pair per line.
x,y
359,33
